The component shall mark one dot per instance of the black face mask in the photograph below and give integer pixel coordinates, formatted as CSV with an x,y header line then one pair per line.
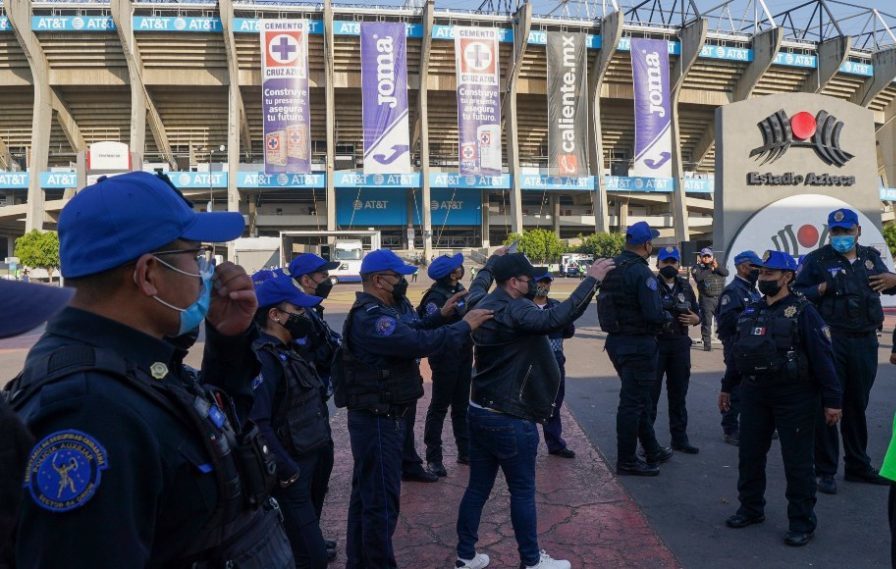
x,y
298,326
769,288
669,272
753,276
400,289
323,288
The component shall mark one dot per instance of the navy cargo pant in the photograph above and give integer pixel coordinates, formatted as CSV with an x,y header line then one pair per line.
x,y
791,407
855,357
708,306
674,362
553,428
377,442
450,388
635,360
300,517
730,421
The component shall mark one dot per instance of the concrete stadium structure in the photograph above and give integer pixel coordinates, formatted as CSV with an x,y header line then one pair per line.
x,y
180,83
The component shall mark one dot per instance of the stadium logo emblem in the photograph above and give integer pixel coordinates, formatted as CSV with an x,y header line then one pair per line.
x,y
820,133
478,56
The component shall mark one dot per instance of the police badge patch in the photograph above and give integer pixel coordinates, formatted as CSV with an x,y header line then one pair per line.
x,y
766,255
431,308
838,215
869,264
681,297
651,283
725,300
790,311
385,326
64,470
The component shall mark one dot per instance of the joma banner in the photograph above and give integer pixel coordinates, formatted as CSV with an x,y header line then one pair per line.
x,y
478,100
567,104
285,96
384,95
653,116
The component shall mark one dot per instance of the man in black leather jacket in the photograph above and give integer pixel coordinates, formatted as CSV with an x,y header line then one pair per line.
x,y
514,387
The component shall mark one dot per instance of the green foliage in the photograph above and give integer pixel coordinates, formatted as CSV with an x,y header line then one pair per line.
x,y
39,249
540,245
890,237
602,244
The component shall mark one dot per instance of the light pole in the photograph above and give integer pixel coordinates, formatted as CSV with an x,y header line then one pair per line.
x,y
211,192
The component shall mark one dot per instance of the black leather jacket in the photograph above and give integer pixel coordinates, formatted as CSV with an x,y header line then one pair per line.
x,y
516,372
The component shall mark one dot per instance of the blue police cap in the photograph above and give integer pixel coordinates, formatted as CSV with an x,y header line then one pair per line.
x,y
640,233
444,266
385,260
778,261
282,288
843,218
308,263
668,252
122,217
25,305
747,257
706,251
543,274
265,274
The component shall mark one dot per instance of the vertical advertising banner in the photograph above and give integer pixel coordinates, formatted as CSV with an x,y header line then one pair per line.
x,y
653,114
567,104
478,101
384,96
285,96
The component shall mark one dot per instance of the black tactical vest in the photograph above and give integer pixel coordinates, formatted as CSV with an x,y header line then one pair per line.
x,y
850,303
767,345
618,310
360,386
299,418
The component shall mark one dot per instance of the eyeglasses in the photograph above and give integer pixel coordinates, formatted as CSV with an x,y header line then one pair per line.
x,y
205,261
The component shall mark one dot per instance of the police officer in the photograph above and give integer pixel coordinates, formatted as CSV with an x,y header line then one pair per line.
x,y
710,278
451,369
24,306
844,281
378,379
783,361
312,274
553,428
138,464
736,296
290,410
674,344
630,310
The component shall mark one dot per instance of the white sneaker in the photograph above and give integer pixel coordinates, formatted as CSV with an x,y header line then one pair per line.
x,y
547,562
479,562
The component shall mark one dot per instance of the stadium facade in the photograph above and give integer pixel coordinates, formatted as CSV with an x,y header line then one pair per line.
x,y
181,84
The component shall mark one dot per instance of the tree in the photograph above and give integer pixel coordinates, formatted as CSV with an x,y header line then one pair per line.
x,y
39,249
890,237
602,244
540,245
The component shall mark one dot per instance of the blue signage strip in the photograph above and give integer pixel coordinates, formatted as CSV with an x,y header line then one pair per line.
x,y
625,44
451,207
72,24
356,179
5,26
371,207
251,26
198,180
856,68
58,180
888,194
727,53
447,180
256,180
542,182
790,59
14,180
177,24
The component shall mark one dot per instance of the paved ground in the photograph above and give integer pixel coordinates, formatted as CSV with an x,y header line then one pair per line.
x,y
597,520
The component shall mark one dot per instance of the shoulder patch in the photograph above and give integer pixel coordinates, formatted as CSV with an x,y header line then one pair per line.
x,y
869,264
725,299
385,326
826,330
431,308
651,283
256,383
64,470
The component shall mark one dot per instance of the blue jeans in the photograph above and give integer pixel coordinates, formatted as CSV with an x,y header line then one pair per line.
x,y
376,488
499,440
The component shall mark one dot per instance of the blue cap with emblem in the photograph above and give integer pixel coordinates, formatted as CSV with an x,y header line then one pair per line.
x,y
842,217
308,263
444,266
543,274
122,217
639,233
668,252
282,288
25,305
385,260
259,277
747,257
706,252
778,261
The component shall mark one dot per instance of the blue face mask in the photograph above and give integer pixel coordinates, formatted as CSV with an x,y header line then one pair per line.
x,y
192,316
843,243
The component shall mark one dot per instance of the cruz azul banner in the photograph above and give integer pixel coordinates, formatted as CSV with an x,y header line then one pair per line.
x,y
285,96
478,100
384,96
653,116
567,104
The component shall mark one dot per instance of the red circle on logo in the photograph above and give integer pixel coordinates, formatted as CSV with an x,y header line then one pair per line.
x,y
803,125
807,236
